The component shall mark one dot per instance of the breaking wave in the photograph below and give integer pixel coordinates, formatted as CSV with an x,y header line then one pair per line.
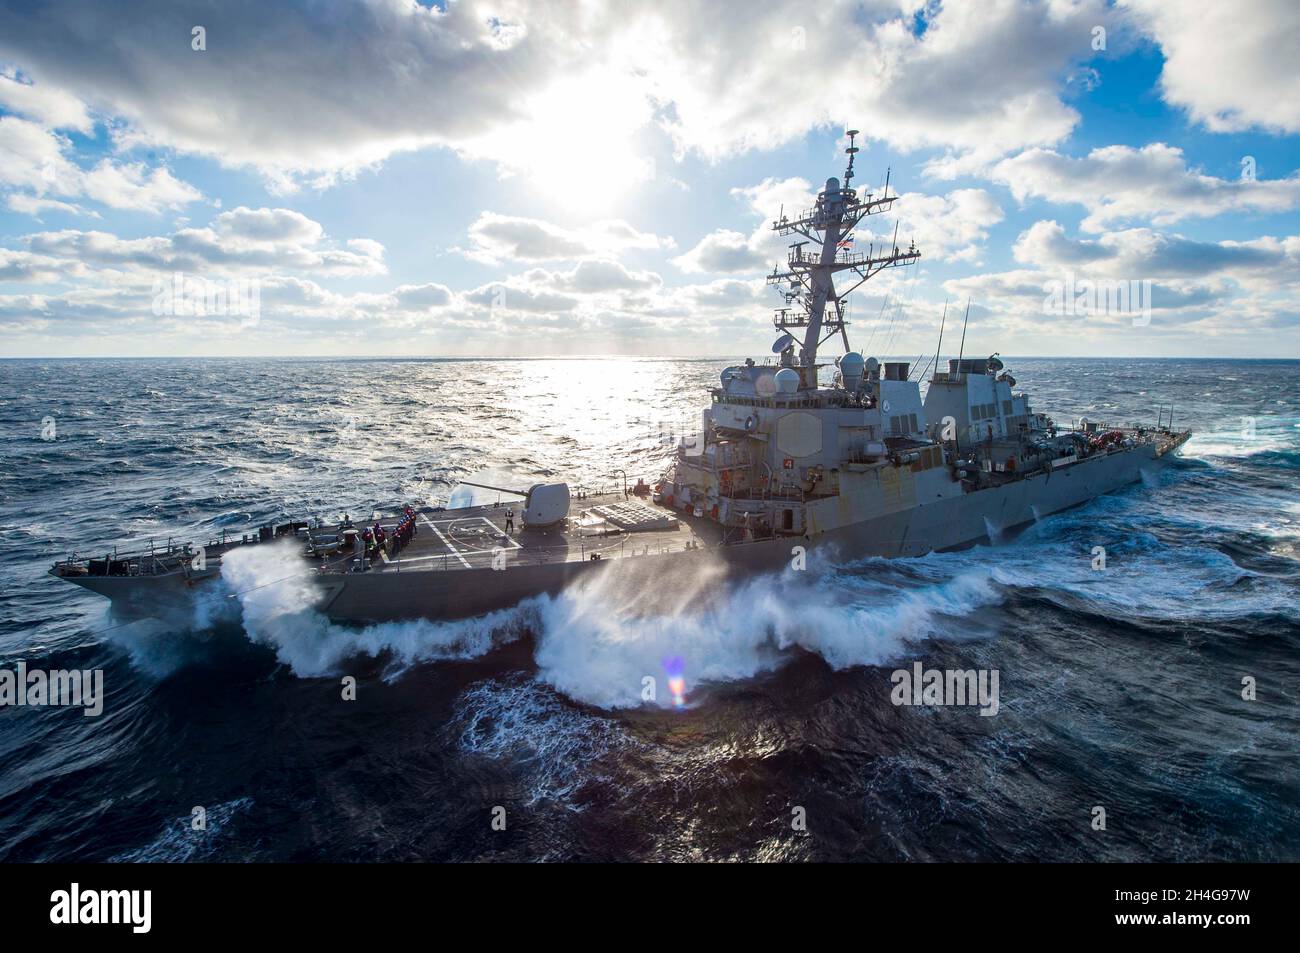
x,y
279,611
600,642
618,639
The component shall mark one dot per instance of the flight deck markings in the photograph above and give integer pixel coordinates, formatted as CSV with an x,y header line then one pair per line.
x,y
454,551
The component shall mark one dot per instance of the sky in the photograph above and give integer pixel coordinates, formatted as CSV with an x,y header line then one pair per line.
x,y
499,178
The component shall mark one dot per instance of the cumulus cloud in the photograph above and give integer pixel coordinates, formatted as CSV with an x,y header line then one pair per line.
x,y
426,297
725,250
50,106
1231,68
1153,183
35,161
26,266
496,238
33,206
382,76
276,225
946,227
242,240
1139,253
1195,289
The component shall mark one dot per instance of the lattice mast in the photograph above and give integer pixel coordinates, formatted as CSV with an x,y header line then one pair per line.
x,y
812,303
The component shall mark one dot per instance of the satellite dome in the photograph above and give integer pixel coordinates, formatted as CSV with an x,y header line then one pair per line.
x,y
832,184
872,366
787,380
852,365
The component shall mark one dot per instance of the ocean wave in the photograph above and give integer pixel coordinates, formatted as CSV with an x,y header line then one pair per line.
x,y
618,640
179,842
556,746
279,610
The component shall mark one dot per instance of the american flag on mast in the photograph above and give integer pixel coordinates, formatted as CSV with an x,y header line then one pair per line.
x,y
844,243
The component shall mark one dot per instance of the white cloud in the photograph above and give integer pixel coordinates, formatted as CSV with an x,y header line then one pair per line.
x,y
723,250
557,88
26,266
1142,253
31,205
1196,290
1231,67
425,297
48,105
1120,183
35,161
133,186
497,238
946,227
238,241
268,225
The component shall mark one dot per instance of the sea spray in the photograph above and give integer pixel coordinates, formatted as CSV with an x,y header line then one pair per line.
x,y
175,636
600,641
279,603
603,641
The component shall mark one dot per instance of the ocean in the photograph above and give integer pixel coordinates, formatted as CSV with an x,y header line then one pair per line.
x,y
1120,689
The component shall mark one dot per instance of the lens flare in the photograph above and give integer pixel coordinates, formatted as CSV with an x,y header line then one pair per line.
x,y
676,680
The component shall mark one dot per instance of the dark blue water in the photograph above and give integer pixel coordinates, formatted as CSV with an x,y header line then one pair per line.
x,y
1119,689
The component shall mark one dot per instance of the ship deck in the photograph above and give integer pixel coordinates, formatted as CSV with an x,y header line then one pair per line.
x,y
476,538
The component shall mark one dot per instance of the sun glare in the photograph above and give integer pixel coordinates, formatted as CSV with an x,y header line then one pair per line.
x,y
576,142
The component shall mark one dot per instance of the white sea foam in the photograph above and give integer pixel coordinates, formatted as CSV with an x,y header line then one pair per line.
x,y
279,606
179,842
1237,443
555,743
598,642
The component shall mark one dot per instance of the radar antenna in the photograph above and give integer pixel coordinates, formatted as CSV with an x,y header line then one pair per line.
x,y
813,303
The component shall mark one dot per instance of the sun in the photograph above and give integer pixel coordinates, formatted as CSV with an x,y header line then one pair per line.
x,y
576,140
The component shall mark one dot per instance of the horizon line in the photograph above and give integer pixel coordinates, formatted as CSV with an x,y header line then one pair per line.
x,y
581,357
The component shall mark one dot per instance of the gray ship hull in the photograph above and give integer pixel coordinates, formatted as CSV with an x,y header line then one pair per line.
x,y
944,524
947,523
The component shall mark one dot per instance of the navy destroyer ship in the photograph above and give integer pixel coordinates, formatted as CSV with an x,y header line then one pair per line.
x,y
795,454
